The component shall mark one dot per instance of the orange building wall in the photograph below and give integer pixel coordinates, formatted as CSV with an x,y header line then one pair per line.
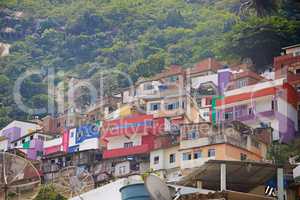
x,y
227,152
235,153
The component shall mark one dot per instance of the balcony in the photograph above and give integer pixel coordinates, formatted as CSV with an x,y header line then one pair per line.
x,y
145,148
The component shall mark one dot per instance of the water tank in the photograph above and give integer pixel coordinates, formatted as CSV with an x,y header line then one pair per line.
x,y
135,192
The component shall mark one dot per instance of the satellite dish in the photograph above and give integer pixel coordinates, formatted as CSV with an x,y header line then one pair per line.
x,y
19,179
73,181
157,189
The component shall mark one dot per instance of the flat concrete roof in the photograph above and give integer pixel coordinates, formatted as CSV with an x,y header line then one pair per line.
x,y
228,195
241,176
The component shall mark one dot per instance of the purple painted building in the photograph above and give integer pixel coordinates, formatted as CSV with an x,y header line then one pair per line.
x,y
268,104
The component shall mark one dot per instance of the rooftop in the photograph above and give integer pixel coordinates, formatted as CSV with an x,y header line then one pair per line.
x,y
292,46
240,174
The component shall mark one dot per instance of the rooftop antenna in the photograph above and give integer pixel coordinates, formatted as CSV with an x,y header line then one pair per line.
x,y
73,181
19,179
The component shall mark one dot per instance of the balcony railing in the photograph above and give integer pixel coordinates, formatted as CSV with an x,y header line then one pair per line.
x,y
236,141
214,139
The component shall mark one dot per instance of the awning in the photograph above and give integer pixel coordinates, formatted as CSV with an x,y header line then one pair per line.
x,y
240,175
225,195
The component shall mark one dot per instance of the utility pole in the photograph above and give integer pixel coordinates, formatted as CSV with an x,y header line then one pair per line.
x,y
280,183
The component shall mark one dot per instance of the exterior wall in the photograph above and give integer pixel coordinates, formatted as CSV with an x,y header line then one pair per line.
x,y
186,164
49,125
223,79
272,103
185,106
122,169
161,155
83,138
139,129
163,112
292,50
223,152
233,153
142,91
127,96
36,149
164,158
53,146
205,113
288,111
25,127
198,80
118,142
4,145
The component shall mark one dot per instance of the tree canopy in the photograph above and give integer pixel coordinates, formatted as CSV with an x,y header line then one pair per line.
x,y
139,37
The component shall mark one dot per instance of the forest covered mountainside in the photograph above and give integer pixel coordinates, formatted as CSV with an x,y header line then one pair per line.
x,y
83,38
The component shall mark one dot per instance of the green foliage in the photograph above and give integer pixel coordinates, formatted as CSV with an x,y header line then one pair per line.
x,y
280,153
261,38
138,37
47,192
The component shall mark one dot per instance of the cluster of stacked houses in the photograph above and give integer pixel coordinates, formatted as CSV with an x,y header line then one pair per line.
x,y
170,123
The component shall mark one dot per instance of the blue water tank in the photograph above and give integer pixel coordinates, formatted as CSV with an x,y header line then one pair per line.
x,y
135,192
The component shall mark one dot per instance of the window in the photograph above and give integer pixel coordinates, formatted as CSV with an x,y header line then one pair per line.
x,y
154,106
206,114
197,154
250,111
148,86
297,71
241,83
41,138
255,144
211,152
172,158
68,158
192,135
172,106
122,169
243,156
23,141
156,160
187,156
228,115
298,88
172,78
297,53
208,101
31,137
15,144
183,105
128,144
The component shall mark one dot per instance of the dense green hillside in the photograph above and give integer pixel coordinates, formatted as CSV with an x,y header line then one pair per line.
x,y
139,37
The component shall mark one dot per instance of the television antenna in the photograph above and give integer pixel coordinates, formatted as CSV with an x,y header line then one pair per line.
x,y
19,179
73,181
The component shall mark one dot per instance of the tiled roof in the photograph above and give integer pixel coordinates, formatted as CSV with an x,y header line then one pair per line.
x,y
208,64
